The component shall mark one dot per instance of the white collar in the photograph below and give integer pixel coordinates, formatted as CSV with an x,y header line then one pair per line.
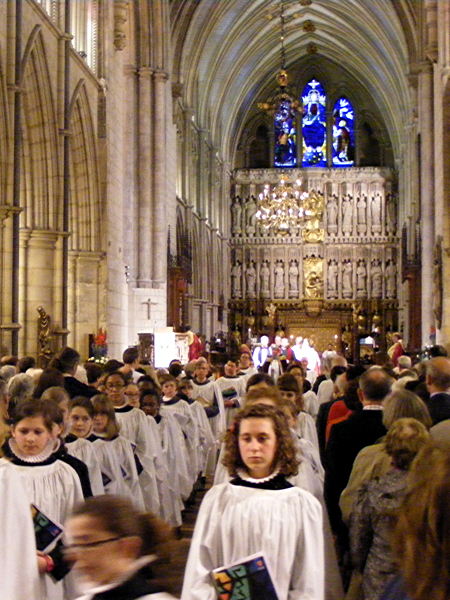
x,y
134,567
246,477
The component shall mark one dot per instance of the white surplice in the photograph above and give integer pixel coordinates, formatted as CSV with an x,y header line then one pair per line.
x,y
236,521
18,564
84,451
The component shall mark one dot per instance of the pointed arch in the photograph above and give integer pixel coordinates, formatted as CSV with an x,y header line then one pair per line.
x,y
314,125
84,176
40,166
343,147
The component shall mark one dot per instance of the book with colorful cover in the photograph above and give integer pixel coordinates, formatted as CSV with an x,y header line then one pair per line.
x,y
248,579
46,531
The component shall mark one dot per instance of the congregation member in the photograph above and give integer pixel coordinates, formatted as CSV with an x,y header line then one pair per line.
x,y
130,358
246,366
67,362
347,438
438,385
373,517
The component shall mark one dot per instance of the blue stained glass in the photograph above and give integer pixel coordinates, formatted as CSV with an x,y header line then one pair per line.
x,y
343,134
314,125
285,135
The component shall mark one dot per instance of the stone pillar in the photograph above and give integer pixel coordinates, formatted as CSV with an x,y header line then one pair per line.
x,y
39,282
426,195
145,231
159,229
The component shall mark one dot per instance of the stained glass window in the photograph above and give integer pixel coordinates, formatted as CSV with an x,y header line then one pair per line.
x,y
314,125
285,135
343,133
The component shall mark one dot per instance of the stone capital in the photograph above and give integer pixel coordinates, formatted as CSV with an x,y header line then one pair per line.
x,y
160,75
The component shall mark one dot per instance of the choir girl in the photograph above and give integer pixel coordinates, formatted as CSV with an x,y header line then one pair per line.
x,y
242,517
117,552
115,453
51,485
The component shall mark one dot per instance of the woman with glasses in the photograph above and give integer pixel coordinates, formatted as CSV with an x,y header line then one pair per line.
x,y
112,547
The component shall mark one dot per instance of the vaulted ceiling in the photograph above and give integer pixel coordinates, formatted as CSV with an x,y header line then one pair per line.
x,y
227,52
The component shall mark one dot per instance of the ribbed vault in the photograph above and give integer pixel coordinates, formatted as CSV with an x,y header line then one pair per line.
x,y
227,53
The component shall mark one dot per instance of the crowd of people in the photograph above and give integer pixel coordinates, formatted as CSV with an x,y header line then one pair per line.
x,y
334,477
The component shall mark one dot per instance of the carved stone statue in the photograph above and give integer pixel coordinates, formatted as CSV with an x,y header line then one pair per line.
x,y
361,207
332,279
44,337
236,275
361,279
250,278
347,214
293,278
391,214
391,279
279,279
347,286
332,213
437,282
264,274
250,215
236,216
375,213
376,276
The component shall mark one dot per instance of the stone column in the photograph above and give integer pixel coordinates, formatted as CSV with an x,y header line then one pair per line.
x,y
159,229
145,231
426,124
39,283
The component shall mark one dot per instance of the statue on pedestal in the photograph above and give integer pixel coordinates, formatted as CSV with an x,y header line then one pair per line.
x,y
250,278
376,276
347,285
236,216
293,278
347,215
361,279
391,279
236,276
279,279
250,216
332,214
332,279
264,274
361,207
375,213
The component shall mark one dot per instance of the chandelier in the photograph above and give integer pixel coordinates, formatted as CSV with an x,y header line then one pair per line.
x,y
284,207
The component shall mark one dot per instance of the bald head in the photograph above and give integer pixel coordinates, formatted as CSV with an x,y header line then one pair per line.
x,y
375,385
438,374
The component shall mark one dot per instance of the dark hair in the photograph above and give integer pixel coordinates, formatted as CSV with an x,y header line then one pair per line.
x,y
124,378
375,384
148,379
351,398
152,393
25,363
288,383
120,517
50,377
47,409
270,393
296,365
175,369
285,457
166,378
66,360
130,355
84,403
259,378
112,365
93,371
102,405
336,371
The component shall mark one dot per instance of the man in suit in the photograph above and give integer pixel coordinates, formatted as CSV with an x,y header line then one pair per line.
x,y
438,385
362,428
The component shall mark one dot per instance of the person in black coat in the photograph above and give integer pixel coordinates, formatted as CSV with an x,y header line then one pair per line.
x,y
67,362
438,384
347,438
